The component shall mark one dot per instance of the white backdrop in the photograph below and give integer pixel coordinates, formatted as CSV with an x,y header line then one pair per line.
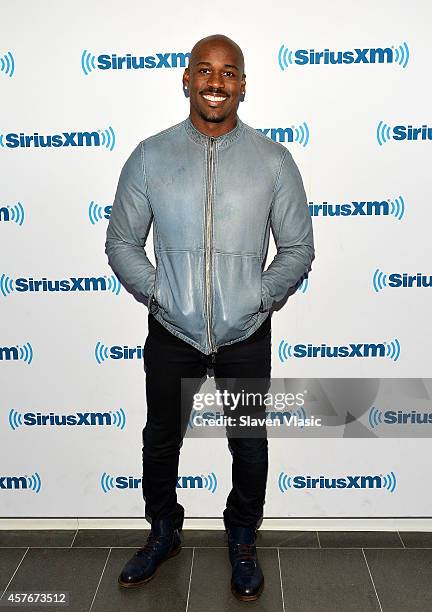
x,y
53,215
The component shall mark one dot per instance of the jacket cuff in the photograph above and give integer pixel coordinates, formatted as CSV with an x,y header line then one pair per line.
x,y
266,302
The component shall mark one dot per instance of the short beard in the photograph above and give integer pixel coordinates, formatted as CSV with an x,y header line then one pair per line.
x,y
212,118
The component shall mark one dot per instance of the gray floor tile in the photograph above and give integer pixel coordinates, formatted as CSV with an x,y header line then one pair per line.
x,y
111,537
166,592
300,539
191,537
38,537
204,537
9,559
211,583
416,539
265,538
359,539
61,569
403,579
326,580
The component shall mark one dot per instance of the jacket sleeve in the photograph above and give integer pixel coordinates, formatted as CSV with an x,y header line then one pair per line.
x,y
291,226
130,221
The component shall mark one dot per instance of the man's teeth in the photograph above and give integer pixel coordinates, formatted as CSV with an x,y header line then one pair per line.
x,y
214,98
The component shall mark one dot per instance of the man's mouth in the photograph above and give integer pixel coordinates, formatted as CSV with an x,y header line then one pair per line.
x,y
214,98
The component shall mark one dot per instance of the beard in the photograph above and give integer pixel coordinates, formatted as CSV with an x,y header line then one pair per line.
x,y
212,117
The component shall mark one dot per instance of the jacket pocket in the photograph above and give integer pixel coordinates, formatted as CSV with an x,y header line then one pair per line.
x,y
178,290
237,294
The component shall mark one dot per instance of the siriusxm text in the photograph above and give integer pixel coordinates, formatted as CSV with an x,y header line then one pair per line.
x,y
138,62
75,419
82,283
349,350
345,482
350,209
14,140
13,482
409,132
183,482
409,280
376,55
393,417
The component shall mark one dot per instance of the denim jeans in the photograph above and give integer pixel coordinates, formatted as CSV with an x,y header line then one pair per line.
x,y
168,359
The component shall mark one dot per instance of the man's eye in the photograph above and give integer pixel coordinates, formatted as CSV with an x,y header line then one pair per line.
x,y
204,69
229,73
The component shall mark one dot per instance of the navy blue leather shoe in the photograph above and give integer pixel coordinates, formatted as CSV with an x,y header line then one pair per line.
x,y
247,581
163,543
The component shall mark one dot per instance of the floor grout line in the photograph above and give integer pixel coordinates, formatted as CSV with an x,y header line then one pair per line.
x,y
225,547
280,578
372,580
400,538
100,580
13,575
190,579
73,540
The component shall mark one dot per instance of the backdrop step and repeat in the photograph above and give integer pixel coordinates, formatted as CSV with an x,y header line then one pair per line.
x,y
345,86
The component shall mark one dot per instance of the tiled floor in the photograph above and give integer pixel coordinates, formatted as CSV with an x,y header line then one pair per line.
x,y
304,571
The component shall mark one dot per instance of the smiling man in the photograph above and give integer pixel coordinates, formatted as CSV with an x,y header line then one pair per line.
x,y
213,187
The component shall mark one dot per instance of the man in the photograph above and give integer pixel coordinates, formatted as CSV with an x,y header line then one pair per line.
x,y
213,187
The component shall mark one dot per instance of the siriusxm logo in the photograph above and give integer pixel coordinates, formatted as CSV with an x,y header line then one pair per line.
x,y
71,284
376,55
299,134
13,212
398,417
112,61
385,132
92,419
7,64
96,212
201,481
17,353
380,280
102,352
99,138
372,208
31,483
389,349
377,481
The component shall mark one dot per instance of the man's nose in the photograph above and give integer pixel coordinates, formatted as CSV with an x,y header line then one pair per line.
x,y
215,80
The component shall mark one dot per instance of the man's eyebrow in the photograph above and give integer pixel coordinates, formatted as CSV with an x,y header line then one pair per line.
x,y
225,65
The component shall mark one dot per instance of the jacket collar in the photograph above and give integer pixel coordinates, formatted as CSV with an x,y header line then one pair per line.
x,y
221,141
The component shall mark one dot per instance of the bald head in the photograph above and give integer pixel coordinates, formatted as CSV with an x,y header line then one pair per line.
x,y
217,41
215,82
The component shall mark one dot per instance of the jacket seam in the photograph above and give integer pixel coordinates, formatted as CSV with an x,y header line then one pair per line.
x,y
177,126
277,184
237,253
280,170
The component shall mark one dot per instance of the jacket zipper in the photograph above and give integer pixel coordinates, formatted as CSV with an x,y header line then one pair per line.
x,y
208,241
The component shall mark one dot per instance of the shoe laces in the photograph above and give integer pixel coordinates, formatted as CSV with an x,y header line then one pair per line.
x,y
246,555
153,542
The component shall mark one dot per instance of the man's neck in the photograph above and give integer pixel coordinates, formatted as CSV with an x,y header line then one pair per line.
x,y
212,128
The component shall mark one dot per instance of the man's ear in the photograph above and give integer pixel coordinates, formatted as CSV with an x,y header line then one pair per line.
x,y
186,77
186,82
243,88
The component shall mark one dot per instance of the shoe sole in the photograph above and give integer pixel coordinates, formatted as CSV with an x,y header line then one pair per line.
x,y
247,597
132,585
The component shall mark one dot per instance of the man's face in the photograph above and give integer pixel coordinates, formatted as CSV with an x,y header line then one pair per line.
x,y
215,82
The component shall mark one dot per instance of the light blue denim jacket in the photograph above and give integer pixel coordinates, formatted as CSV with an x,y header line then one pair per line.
x,y
212,202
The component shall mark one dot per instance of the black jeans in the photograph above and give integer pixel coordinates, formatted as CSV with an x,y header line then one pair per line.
x,y
167,360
